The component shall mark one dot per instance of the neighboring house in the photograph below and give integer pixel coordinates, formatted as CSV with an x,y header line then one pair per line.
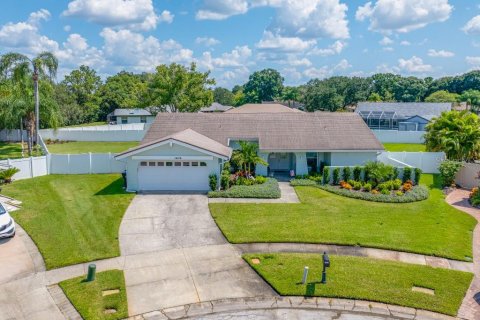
x,y
402,116
180,150
215,107
263,108
124,116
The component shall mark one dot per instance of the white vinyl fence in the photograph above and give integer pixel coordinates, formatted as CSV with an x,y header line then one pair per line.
x,y
29,167
12,135
87,163
428,162
469,175
395,136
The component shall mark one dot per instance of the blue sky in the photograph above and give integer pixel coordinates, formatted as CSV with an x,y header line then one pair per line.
x,y
303,39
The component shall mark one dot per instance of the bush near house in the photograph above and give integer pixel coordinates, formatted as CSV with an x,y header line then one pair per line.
x,y
448,170
269,189
475,197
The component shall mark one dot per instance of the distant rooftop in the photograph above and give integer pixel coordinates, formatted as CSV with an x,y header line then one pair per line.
x,y
404,110
216,107
263,108
130,112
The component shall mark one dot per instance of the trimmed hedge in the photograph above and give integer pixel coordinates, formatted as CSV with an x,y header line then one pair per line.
x,y
267,190
418,193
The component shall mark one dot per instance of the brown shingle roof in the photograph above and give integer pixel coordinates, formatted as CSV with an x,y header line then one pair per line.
x,y
262,108
294,131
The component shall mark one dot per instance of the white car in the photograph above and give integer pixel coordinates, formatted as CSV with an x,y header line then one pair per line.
x,y
7,225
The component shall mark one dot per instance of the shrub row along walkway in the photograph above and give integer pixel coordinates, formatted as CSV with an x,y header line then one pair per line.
x,y
289,308
406,257
470,308
288,195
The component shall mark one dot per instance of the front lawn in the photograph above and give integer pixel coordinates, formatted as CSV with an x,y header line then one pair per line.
x,y
74,147
365,279
87,297
401,147
430,227
13,150
71,218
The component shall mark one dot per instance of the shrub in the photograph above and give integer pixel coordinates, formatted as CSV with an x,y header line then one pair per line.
x,y
302,182
357,185
367,187
397,184
225,180
212,181
418,175
385,191
260,180
378,172
448,170
366,175
407,174
7,174
227,166
475,197
336,176
399,193
395,173
407,186
267,190
357,173
345,185
315,178
351,182
326,175
417,193
347,172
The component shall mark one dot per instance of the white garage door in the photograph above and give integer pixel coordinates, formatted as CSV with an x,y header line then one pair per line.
x,y
173,175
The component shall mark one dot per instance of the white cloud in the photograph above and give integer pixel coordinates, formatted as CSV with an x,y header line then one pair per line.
x,y
67,28
405,43
25,36
403,15
326,71
473,26
166,16
414,65
342,65
386,41
136,15
388,49
76,51
440,53
335,48
142,53
273,42
473,61
237,58
207,41
221,9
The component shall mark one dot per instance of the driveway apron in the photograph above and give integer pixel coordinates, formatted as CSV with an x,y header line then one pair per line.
x,y
175,254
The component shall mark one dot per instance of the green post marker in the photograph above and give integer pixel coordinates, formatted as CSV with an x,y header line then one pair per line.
x,y
91,272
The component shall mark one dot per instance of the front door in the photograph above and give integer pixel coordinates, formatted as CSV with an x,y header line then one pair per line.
x,y
279,161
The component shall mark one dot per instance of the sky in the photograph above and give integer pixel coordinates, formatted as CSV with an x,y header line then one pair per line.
x,y
302,39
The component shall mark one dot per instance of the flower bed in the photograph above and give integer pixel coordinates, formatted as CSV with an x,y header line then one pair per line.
x,y
267,190
414,193
475,197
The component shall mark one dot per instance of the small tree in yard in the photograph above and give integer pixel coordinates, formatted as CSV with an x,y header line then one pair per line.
x,y
336,176
407,174
326,175
448,170
247,156
357,173
418,175
212,181
378,172
346,173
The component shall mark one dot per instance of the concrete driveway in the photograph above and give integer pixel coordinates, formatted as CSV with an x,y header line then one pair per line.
x,y
175,255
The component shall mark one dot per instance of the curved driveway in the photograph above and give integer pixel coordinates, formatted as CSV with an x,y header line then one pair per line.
x,y
176,255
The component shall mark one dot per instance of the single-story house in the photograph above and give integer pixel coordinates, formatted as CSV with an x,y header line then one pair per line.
x,y
263,108
215,107
402,116
180,150
125,116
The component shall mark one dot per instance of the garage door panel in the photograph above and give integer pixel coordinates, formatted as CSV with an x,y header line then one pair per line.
x,y
173,178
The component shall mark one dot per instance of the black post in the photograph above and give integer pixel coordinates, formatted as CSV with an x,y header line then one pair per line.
x,y
326,264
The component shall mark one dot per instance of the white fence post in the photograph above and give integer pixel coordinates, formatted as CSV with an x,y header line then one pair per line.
x,y
90,163
31,167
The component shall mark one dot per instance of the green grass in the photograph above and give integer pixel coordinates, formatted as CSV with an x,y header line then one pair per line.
x,y
365,279
71,218
13,150
400,147
430,227
87,297
74,147
90,124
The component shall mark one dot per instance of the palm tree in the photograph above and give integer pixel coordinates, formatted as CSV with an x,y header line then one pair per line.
x,y
19,69
247,156
455,133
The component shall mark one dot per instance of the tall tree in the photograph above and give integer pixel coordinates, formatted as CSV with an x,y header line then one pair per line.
x,y
455,133
442,96
83,83
319,95
223,96
123,90
264,85
23,72
179,88
290,95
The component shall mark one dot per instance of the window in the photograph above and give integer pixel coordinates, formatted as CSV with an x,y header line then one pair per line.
x,y
124,120
161,164
143,119
152,164
169,164
178,164
143,163
203,164
186,164
194,164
